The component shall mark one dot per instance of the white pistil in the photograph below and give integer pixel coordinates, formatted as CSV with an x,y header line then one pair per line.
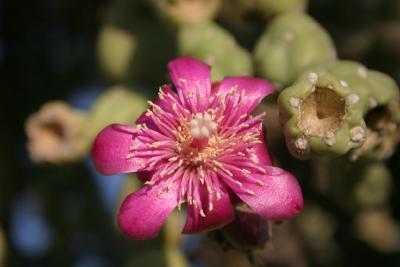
x,y
202,126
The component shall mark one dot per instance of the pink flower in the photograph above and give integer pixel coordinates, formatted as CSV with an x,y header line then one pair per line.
x,y
199,146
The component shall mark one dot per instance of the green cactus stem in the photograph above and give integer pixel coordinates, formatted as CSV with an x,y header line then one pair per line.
x,y
214,45
321,115
291,43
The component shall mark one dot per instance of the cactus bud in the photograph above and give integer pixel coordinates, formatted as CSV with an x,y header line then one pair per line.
x,y
273,7
321,115
380,99
292,43
217,47
374,186
183,12
115,48
117,105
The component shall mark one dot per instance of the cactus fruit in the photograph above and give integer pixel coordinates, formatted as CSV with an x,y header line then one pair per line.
x,y
321,115
115,48
380,97
374,187
184,12
214,45
131,50
273,7
118,105
292,42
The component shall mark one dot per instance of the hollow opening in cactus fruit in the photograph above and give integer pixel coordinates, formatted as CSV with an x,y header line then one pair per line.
x,y
380,120
322,113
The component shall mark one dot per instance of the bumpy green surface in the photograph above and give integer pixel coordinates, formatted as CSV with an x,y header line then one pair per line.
x,y
303,143
291,43
217,47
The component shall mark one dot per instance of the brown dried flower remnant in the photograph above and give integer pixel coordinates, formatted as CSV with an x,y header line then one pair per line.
x,y
56,133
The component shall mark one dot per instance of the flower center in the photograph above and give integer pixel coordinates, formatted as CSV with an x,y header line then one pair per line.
x,y
201,128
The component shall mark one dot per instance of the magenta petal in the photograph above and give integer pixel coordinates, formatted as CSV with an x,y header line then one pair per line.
x,y
143,212
221,214
261,152
280,197
192,79
111,148
255,90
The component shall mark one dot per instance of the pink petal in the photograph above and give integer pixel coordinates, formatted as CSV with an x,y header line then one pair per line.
x,y
221,214
192,79
261,152
280,197
255,90
111,148
143,212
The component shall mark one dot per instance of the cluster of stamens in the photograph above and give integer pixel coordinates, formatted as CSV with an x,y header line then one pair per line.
x,y
212,148
202,126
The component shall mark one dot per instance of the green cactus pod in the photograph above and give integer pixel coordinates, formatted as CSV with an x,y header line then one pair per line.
x,y
374,187
115,48
273,7
380,98
118,105
214,45
183,12
129,44
291,43
352,186
321,115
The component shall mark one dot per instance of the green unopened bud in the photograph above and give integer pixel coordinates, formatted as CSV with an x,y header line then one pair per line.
x,y
379,95
321,115
117,105
273,7
217,47
183,12
115,48
129,44
292,42
317,228
374,186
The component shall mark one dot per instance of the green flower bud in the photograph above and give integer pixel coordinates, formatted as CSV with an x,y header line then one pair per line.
x,y
374,186
117,105
115,48
273,7
380,97
129,46
217,47
321,115
292,42
317,228
183,12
